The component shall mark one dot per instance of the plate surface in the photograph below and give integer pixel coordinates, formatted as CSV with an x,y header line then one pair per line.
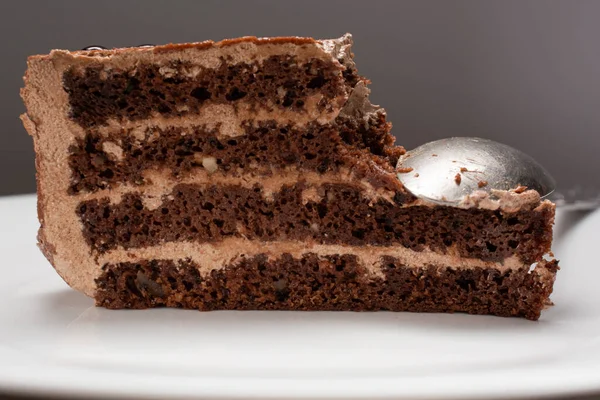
x,y
53,339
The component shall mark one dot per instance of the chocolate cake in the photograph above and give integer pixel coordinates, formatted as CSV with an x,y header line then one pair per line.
x,y
255,174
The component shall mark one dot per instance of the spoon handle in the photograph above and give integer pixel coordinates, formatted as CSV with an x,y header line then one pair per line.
x,y
577,198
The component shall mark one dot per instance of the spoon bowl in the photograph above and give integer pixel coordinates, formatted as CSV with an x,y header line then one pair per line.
x,y
447,170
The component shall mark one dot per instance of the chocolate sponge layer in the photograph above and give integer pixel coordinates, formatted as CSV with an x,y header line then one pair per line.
x,y
209,213
279,82
331,283
263,145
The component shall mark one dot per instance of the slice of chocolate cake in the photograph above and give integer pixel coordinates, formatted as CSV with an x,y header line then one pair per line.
x,y
255,174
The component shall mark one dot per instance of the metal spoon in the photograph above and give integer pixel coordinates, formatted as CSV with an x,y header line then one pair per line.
x,y
446,170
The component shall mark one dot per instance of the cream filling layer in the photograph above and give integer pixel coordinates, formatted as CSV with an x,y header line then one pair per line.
x,y
227,120
506,200
161,184
211,256
200,57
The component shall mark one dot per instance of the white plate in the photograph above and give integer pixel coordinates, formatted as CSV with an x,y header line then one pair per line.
x,y
53,340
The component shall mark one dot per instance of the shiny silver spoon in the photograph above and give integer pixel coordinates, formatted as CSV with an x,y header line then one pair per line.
x,y
447,170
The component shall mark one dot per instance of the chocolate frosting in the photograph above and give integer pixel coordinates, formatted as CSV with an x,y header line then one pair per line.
x,y
358,105
340,48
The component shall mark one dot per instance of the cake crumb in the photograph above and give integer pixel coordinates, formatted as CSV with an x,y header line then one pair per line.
x,y
457,179
482,184
520,189
210,164
404,170
113,150
417,175
463,169
434,155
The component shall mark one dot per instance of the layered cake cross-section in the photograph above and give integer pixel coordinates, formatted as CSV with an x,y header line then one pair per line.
x,y
256,174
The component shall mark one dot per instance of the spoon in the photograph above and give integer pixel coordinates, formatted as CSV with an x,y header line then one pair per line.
x,y
447,170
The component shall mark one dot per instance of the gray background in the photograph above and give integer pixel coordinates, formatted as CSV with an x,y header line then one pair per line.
x,y
521,72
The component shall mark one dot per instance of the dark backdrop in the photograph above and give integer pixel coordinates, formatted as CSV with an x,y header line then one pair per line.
x,y
522,72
